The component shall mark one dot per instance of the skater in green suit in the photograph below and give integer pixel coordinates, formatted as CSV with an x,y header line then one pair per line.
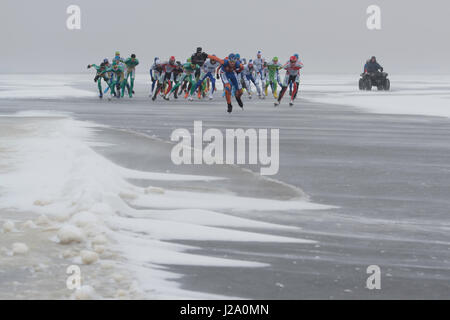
x,y
119,79
131,64
274,77
102,73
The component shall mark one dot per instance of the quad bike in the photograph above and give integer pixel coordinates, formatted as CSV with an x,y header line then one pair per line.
x,y
377,79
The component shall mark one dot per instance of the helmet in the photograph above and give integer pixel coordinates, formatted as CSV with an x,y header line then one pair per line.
x,y
232,57
275,59
157,61
373,58
117,53
250,63
105,61
199,49
172,59
293,59
133,56
238,56
296,55
188,60
156,58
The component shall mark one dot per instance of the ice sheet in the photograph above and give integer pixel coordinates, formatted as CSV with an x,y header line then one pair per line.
x,y
51,169
410,95
40,87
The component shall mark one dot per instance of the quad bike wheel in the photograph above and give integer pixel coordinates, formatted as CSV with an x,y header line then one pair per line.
x,y
387,85
361,84
368,84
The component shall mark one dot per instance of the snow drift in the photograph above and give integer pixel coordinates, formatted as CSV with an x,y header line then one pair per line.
x,y
49,167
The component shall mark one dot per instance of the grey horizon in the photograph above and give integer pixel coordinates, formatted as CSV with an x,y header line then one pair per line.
x,y
330,36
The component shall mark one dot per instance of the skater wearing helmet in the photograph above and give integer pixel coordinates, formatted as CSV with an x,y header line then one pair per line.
x,y
209,70
228,75
131,64
199,59
155,73
274,76
118,60
259,67
249,73
101,74
297,56
292,68
167,68
119,79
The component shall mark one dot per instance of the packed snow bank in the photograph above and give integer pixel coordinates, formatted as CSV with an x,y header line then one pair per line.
x,y
41,87
50,169
420,95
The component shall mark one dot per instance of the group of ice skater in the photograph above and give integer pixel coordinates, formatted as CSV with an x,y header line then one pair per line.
x,y
196,78
118,75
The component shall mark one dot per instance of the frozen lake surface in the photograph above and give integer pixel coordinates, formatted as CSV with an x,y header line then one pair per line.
x,y
364,180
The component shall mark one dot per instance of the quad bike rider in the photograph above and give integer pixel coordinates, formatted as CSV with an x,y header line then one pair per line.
x,y
373,75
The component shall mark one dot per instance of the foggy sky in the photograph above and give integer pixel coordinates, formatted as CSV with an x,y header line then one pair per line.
x,y
330,35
